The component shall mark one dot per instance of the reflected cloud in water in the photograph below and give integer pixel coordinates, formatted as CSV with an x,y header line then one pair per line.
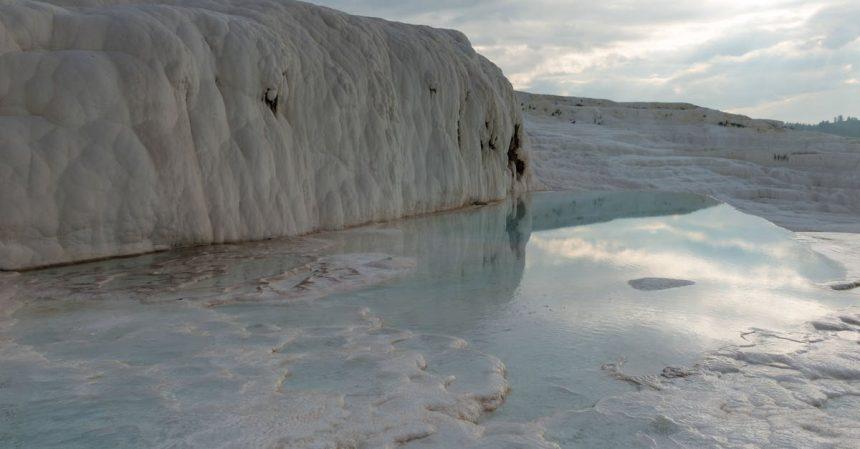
x,y
540,282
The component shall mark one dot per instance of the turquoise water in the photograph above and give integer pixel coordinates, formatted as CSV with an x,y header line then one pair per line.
x,y
550,296
184,349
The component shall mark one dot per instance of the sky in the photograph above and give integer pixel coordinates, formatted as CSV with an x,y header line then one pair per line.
x,y
791,60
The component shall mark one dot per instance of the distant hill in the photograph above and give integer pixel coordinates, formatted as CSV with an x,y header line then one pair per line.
x,y
849,127
607,112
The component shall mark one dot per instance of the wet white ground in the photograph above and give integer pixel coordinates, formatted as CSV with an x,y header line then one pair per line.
x,y
134,362
501,326
775,391
781,390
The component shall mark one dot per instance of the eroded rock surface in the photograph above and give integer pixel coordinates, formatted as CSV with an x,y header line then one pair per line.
x,y
127,127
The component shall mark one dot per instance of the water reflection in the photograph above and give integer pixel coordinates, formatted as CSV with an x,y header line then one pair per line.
x,y
540,282
471,262
554,210
548,291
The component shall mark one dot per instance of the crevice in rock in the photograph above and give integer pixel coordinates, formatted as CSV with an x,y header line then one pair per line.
x,y
270,98
491,140
519,165
460,134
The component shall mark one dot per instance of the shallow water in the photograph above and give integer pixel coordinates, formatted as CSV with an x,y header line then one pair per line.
x,y
351,338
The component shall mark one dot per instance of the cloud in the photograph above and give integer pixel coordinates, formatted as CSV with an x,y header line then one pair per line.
x,y
734,55
837,25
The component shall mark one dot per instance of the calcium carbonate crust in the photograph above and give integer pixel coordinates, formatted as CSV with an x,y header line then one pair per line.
x,y
799,180
780,390
127,127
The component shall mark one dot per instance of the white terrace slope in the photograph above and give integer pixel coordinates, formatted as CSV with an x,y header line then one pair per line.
x,y
803,181
127,127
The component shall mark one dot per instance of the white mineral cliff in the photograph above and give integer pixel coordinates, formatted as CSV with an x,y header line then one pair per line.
x,y
799,180
127,127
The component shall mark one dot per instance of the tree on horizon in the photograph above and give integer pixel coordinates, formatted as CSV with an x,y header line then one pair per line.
x,y
842,126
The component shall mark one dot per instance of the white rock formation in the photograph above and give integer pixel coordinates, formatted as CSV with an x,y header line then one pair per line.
x,y
800,180
843,247
127,127
780,390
